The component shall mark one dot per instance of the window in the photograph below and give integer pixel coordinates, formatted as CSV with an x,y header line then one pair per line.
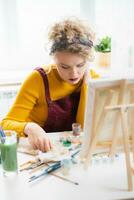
x,y
116,18
24,24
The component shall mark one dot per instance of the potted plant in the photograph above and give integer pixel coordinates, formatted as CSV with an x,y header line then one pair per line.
x,y
103,49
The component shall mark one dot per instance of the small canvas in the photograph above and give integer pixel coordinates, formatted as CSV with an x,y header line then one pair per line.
x,y
104,123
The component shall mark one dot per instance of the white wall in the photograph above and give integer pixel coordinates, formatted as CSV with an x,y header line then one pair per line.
x,y
24,24
116,18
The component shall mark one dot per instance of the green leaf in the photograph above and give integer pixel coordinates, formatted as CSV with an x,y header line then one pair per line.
x,y
104,45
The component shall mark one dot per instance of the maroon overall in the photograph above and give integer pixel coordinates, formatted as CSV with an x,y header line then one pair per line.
x,y
62,112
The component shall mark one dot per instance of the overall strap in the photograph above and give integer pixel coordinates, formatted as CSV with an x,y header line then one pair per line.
x,y
46,84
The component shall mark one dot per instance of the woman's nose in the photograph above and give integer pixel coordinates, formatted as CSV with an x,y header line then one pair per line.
x,y
74,73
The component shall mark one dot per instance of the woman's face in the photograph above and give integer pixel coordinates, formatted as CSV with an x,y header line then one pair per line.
x,y
71,67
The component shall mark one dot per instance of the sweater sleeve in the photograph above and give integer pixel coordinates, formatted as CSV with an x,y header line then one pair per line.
x,y
16,119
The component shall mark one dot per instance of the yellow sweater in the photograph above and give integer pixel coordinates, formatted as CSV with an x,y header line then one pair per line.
x,y
31,106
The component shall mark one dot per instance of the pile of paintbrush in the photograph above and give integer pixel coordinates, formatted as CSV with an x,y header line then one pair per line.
x,y
33,165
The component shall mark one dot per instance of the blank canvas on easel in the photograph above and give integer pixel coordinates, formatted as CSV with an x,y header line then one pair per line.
x,y
102,93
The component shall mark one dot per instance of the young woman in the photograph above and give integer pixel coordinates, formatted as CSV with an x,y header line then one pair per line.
x,y
52,98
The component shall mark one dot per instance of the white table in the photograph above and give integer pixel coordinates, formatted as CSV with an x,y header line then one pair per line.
x,y
101,182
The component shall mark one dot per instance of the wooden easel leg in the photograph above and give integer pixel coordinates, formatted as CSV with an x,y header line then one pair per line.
x,y
91,150
131,114
114,135
93,144
121,97
94,140
126,148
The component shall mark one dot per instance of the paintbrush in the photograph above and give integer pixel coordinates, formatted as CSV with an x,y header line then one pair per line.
x,y
2,134
52,167
53,174
63,178
29,162
46,171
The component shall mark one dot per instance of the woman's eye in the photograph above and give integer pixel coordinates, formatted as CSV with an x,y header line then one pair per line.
x,y
80,66
64,67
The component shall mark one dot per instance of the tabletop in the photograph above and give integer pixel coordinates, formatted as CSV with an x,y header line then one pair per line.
x,y
104,180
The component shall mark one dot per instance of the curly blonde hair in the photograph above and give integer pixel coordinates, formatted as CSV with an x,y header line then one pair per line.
x,y
72,35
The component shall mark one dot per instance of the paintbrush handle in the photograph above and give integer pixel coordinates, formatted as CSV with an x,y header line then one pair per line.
x,y
46,171
65,179
2,134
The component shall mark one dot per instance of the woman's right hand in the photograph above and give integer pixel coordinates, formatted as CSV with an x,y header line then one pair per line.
x,y
37,137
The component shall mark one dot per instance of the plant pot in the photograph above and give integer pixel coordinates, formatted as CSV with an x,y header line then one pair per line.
x,y
103,60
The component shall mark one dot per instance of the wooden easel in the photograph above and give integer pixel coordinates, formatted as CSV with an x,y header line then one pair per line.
x,y
122,110
121,100
121,116
95,132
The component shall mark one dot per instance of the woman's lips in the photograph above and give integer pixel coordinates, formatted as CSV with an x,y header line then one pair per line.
x,y
73,79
